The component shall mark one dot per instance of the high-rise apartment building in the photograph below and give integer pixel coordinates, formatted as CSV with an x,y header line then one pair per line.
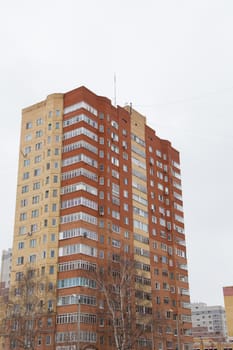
x,y
95,185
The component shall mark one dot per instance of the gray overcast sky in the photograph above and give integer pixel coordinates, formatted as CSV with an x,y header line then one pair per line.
x,y
173,61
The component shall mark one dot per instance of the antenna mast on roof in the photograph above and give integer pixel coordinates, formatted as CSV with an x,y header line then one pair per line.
x,y
115,89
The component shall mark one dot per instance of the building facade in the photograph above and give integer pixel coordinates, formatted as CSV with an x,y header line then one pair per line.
x,y
95,185
228,302
209,322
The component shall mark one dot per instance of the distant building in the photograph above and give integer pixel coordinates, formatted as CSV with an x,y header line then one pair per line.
x,y
228,302
6,267
6,263
209,322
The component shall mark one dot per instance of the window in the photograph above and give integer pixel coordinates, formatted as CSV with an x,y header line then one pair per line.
x,y
20,260
24,203
22,230
126,220
50,286
115,161
101,180
80,131
125,168
101,115
101,223
101,128
49,322
26,162
80,144
28,125
48,340
153,219
39,121
26,175
32,258
116,214
34,228
19,276
37,172
101,140
35,199
51,270
32,243
39,133
35,213
126,207
116,243
124,132
39,340
27,150
23,216
76,281
38,146
25,189
37,159
20,245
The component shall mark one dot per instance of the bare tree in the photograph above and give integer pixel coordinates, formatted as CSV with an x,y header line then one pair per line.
x,y
163,327
128,319
27,313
